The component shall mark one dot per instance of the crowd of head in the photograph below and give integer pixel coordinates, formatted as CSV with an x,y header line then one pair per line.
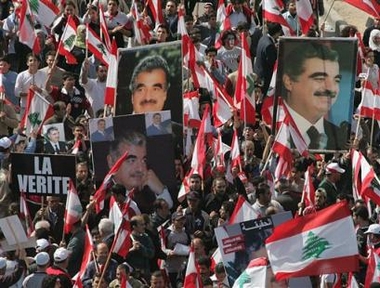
x,y
162,227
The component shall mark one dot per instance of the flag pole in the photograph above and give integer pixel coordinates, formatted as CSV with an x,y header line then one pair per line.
x,y
328,13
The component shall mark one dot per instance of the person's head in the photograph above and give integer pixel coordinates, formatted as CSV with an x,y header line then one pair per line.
x,y
211,20
133,171
138,224
98,281
229,39
292,7
156,119
171,7
189,22
219,186
50,57
68,81
101,252
334,171
157,280
211,53
105,227
263,194
95,235
5,64
220,272
320,198
161,207
150,84
33,62
226,210
195,182
373,233
61,257
274,30
69,9
59,109
122,271
112,6
119,192
42,260
360,215
53,202
79,131
248,148
51,281
101,124
53,134
199,247
204,264
237,4
312,81
369,57
81,171
243,27
193,199
93,13
101,72
178,220
162,33
376,22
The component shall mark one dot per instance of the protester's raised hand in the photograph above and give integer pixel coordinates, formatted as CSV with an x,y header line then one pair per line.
x,y
153,182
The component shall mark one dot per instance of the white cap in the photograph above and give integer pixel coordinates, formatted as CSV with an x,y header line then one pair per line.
x,y
61,254
42,244
334,167
42,258
5,142
374,229
3,262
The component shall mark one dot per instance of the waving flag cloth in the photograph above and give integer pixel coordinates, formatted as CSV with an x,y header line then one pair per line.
x,y
192,276
370,103
235,152
305,14
155,7
308,191
141,29
73,211
37,110
44,10
68,40
111,82
100,194
243,211
191,109
28,35
369,6
96,46
24,211
272,13
103,28
254,275
313,244
373,269
223,22
87,257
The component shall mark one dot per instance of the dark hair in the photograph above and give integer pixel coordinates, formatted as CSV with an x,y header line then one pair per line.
x,y
57,105
50,129
226,34
262,189
204,260
362,212
148,64
211,49
188,18
133,138
6,58
118,189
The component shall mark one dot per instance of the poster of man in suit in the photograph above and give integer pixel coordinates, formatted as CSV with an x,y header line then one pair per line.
x,y
316,79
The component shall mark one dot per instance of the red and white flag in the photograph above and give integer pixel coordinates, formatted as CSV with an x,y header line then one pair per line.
x,y
313,244
37,110
155,7
68,40
103,28
141,29
97,47
73,211
192,276
111,82
272,12
77,147
27,34
308,187
254,275
100,194
373,271
87,257
235,152
243,211
223,105
370,103
45,11
305,15
369,6
245,85
24,211
223,21
191,109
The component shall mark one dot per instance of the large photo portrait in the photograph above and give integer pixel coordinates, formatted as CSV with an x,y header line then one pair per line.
x,y
149,80
316,79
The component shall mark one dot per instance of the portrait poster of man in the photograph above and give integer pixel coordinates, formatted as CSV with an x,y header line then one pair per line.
x,y
148,168
316,79
150,80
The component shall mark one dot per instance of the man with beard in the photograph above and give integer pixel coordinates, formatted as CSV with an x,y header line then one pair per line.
x,y
320,197
311,87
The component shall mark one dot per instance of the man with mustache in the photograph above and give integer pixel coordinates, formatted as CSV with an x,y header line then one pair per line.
x,y
149,84
311,80
142,183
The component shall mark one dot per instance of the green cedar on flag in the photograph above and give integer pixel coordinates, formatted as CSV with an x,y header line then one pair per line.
x,y
28,35
67,41
315,244
44,11
73,211
254,276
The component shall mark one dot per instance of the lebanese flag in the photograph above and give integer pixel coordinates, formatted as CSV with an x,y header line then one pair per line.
x,y
67,41
73,211
191,109
243,212
111,82
254,275
77,147
96,47
24,212
223,105
45,11
369,6
192,276
28,35
360,57
220,149
37,110
141,29
356,183
283,167
223,21
373,271
370,103
272,13
245,85
305,15
100,194
308,191
103,28
235,152
155,7
313,244
87,257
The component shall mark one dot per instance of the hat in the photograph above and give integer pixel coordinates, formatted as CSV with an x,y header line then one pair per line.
x,y
334,168
194,195
42,244
61,254
208,4
374,229
42,258
3,262
178,215
5,142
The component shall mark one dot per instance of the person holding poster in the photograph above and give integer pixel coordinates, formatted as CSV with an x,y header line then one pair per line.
x,y
312,85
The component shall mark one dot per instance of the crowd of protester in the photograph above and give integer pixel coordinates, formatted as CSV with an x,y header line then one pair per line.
x,y
76,92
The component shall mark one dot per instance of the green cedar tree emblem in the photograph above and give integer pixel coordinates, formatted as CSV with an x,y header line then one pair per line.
x,y
69,42
101,48
243,279
251,84
34,119
314,247
34,5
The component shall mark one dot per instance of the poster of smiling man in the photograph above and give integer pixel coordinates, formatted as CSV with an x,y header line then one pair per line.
x,y
316,79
